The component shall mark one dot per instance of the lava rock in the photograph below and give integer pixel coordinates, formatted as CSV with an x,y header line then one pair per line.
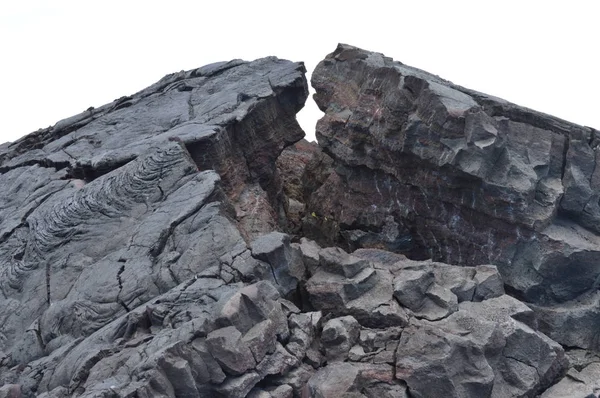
x,y
287,267
230,351
338,336
434,170
142,250
481,350
585,383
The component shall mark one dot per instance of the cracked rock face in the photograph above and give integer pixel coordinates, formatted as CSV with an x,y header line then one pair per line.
x,y
109,209
430,169
153,247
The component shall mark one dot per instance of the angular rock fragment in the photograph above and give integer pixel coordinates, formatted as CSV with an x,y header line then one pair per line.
x,y
303,332
231,352
338,336
488,283
335,380
342,379
585,383
481,350
278,363
309,250
238,387
296,378
261,339
367,296
286,266
336,261
417,291
251,305
574,324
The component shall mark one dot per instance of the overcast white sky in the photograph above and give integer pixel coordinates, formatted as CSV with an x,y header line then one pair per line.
x,y
59,57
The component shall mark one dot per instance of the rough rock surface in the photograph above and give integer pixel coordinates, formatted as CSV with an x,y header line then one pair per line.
x,y
143,253
109,209
291,165
430,169
233,117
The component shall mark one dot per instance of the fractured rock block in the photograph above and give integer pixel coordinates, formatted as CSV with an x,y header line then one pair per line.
x,y
333,380
338,336
287,267
296,378
277,363
411,286
488,283
238,387
417,290
336,261
309,251
584,383
261,339
480,350
253,304
230,350
303,330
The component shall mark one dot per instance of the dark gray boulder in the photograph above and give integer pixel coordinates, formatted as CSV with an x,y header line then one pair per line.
x,y
286,265
338,336
230,351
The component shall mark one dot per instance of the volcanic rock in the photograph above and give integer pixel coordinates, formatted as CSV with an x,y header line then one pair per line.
x,y
182,242
291,166
577,384
142,197
430,169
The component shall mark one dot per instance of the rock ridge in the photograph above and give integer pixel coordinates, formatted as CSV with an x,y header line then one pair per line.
x,y
185,241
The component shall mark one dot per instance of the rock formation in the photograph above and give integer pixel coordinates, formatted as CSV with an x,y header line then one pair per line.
x,y
433,170
184,242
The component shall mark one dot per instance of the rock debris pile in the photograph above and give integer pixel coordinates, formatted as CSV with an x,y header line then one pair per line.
x,y
186,242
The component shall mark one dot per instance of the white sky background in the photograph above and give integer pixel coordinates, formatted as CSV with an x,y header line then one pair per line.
x,y
59,57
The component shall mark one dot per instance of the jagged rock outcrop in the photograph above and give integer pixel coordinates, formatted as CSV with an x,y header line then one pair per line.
x,y
143,253
118,205
433,170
